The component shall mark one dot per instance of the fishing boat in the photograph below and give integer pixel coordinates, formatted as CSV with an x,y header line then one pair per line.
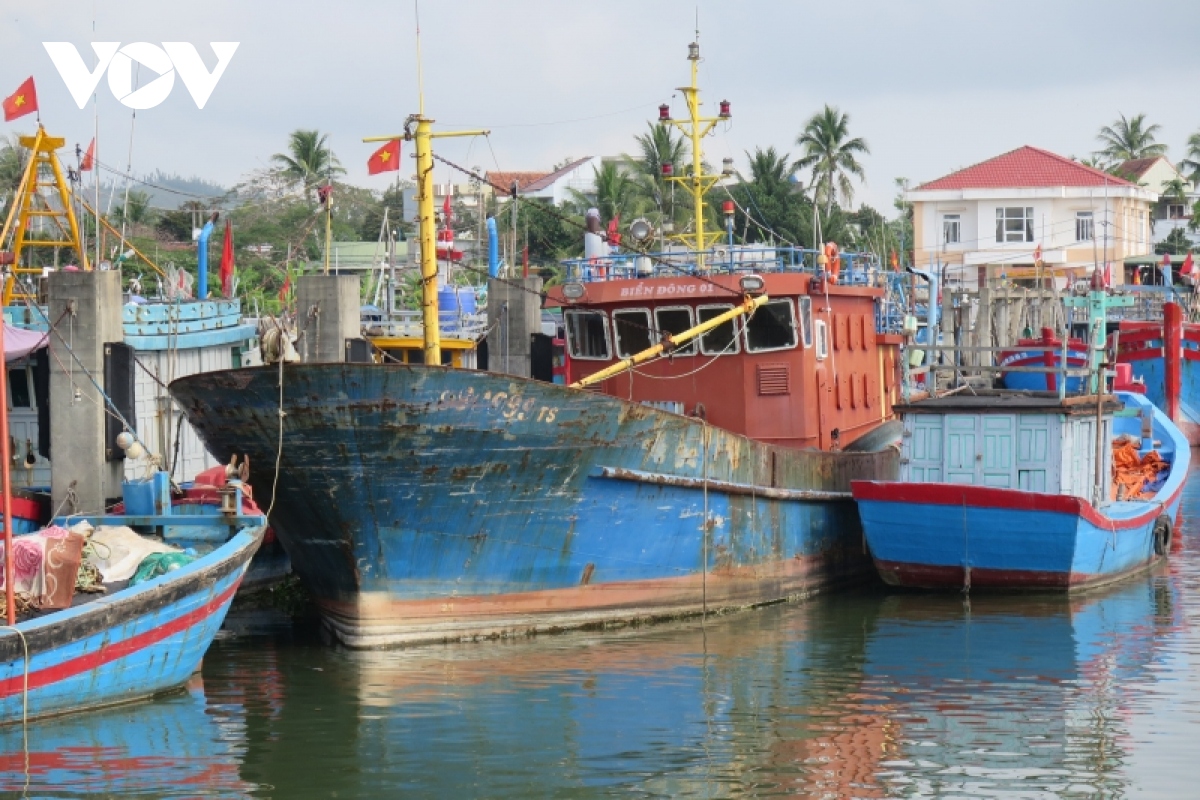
x,y
128,640
422,503
1164,351
1049,352
1011,489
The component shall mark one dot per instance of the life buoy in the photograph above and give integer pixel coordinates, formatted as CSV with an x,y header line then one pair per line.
x,y
833,261
1162,535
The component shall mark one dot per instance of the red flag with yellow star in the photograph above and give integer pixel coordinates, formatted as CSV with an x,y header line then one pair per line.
x,y
21,102
385,159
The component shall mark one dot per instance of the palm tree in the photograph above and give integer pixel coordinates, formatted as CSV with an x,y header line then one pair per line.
x,y
309,159
661,145
1128,139
1191,164
616,193
770,205
830,152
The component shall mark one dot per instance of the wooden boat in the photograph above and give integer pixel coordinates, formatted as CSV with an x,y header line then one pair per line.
x,y
133,642
998,491
1022,356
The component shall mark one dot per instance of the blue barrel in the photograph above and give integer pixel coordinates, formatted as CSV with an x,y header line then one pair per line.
x,y
454,302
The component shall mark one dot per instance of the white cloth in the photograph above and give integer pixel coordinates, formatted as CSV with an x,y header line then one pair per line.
x,y
117,551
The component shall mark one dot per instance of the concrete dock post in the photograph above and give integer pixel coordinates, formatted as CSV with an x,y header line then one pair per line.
x,y
86,310
514,314
327,314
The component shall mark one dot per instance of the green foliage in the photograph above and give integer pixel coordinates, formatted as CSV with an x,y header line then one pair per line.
x,y
542,229
617,194
1127,139
662,145
13,159
1177,243
1190,165
309,161
135,211
831,154
393,200
770,208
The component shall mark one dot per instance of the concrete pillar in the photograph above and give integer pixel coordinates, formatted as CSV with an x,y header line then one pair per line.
x,y
328,313
86,310
514,313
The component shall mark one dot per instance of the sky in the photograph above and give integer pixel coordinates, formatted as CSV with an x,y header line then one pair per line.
x,y
931,86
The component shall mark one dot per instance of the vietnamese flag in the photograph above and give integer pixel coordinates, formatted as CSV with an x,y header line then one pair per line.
x,y
895,262
21,102
227,262
90,156
1188,267
385,159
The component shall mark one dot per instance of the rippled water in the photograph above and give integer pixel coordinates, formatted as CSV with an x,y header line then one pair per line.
x,y
866,694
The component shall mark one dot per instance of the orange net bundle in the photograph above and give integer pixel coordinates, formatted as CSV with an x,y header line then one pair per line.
x,y
1132,473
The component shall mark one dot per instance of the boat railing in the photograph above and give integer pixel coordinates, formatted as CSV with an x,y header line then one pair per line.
x,y
857,269
922,369
408,324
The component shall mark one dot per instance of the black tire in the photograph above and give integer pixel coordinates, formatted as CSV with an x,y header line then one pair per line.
x,y
1162,535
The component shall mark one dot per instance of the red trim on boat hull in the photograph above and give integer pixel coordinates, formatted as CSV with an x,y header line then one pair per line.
x,y
954,494
115,650
929,576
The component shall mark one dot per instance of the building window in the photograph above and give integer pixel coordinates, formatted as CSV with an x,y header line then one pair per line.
x,y
822,340
587,334
632,328
1176,211
1085,226
1014,224
773,327
676,319
951,229
721,340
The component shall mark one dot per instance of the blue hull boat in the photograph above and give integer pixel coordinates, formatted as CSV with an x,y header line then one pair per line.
x,y
133,642
996,499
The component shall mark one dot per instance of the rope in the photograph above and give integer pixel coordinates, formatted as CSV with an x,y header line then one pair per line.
x,y
24,696
279,447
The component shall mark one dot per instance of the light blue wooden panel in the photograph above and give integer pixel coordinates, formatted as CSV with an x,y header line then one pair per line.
x,y
962,448
927,439
1031,480
999,467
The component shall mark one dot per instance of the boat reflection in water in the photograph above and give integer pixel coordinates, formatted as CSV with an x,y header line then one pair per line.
x,y
172,746
862,695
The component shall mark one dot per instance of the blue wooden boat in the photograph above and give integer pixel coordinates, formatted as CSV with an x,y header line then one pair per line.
x,y
132,642
997,491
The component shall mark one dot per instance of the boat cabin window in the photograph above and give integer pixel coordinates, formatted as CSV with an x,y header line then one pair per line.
x,y
632,329
772,327
18,387
822,339
676,319
587,334
722,339
806,320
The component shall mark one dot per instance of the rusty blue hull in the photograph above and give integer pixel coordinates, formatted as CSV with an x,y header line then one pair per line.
x,y
428,504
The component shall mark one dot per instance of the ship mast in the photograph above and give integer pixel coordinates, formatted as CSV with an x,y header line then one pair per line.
x,y
695,127
426,224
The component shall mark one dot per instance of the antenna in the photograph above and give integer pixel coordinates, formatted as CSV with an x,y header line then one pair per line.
x,y
420,75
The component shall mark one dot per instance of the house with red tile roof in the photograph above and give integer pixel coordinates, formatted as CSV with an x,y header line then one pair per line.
x,y
1172,211
990,222
555,186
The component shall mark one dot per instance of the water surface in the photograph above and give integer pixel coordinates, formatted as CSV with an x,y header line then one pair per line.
x,y
862,694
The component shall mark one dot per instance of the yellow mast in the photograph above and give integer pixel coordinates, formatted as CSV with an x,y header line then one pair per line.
x,y
696,127
426,224
41,154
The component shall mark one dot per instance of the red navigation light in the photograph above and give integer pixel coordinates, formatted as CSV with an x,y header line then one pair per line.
x,y
725,114
727,207
668,169
664,113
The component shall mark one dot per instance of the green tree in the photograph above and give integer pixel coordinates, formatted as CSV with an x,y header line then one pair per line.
x,y
308,160
1190,166
135,211
661,145
1177,243
13,159
1127,139
770,207
616,193
831,154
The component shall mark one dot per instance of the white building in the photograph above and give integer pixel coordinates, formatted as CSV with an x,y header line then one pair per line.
x,y
989,221
1171,212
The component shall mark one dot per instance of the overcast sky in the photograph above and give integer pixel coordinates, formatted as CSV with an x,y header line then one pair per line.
x,y
932,86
